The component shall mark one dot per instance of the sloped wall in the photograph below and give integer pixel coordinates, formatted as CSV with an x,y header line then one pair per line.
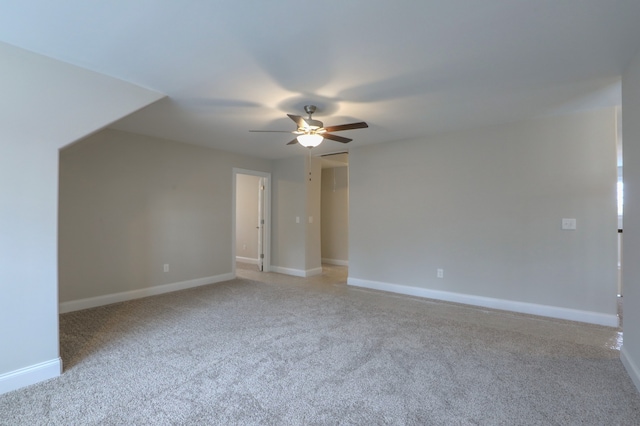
x,y
45,105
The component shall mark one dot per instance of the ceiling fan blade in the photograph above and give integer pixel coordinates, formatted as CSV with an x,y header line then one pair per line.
x,y
336,138
293,142
272,131
360,125
300,122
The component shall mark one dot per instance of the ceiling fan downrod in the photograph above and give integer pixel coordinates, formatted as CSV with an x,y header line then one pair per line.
x,y
310,109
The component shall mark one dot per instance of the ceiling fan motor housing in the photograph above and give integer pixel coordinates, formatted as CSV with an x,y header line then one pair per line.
x,y
312,124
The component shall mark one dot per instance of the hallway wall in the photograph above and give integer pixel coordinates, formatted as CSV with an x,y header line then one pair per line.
x,y
335,215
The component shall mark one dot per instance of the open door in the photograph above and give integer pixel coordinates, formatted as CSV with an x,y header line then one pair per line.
x,y
260,226
251,214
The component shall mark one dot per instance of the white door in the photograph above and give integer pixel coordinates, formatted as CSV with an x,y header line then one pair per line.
x,y
261,186
244,233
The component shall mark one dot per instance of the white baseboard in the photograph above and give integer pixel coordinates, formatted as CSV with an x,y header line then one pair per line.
x,y
30,375
250,260
337,262
314,271
107,299
632,368
297,272
488,302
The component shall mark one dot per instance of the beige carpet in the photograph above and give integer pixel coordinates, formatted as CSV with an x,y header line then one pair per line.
x,y
317,352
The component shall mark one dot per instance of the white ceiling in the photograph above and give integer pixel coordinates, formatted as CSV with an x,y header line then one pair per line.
x,y
409,68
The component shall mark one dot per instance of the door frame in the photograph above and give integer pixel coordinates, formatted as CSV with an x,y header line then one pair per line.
x,y
266,243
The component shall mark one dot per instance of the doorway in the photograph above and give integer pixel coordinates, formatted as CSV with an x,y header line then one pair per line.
x,y
335,210
251,247
620,209
620,194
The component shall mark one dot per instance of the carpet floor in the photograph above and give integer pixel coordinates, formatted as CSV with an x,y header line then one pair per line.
x,y
317,352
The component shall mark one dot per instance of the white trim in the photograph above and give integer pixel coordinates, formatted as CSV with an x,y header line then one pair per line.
x,y
107,299
288,271
30,375
297,272
314,271
610,320
337,262
250,260
632,368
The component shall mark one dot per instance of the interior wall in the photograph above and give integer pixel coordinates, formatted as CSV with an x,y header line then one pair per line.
x,y
485,206
335,215
288,211
129,204
45,104
295,230
631,242
313,261
247,192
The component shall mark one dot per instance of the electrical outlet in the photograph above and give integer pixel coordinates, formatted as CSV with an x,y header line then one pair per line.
x,y
440,273
568,224
166,267
244,247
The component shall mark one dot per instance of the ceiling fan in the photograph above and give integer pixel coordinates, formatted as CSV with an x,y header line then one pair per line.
x,y
312,132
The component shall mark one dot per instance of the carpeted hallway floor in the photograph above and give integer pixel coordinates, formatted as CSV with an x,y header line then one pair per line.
x,y
271,349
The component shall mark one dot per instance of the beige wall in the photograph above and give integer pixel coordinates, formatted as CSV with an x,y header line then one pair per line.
x,y
247,188
313,261
335,215
288,203
295,241
486,207
130,204
631,241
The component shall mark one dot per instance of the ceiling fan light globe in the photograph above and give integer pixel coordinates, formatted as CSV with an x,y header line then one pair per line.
x,y
310,140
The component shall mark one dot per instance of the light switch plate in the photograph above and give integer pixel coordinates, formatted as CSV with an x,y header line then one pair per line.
x,y
568,224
